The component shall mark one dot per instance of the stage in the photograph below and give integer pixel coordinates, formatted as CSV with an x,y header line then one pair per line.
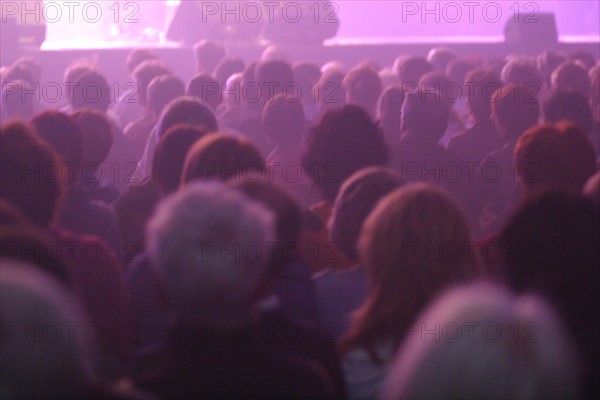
x,y
375,30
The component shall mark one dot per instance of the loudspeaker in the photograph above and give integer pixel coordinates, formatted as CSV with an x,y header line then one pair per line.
x,y
189,26
531,34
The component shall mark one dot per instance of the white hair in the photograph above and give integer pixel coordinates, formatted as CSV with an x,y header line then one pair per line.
x,y
43,336
480,342
209,244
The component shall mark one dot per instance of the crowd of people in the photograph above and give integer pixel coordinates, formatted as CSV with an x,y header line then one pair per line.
x,y
283,229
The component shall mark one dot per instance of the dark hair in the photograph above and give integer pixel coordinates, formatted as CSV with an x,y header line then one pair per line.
x,y
276,73
344,141
457,70
572,76
524,74
208,53
547,62
568,105
390,111
62,133
411,69
227,67
283,121
550,247
440,57
288,224
38,192
485,82
364,87
162,90
207,89
91,90
97,134
515,110
20,72
17,100
138,56
356,199
330,90
170,153
559,158
222,157
187,110
31,244
307,75
145,72
424,115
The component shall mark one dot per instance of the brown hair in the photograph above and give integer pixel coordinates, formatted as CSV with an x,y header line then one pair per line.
x,y
221,157
414,244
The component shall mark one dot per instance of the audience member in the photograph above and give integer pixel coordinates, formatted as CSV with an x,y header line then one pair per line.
x,y
477,342
413,245
341,291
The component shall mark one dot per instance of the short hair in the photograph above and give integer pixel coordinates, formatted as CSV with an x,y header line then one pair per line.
x,y
447,362
572,76
363,87
440,57
425,115
162,90
97,135
74,72
20,72
31,244
170,153
288,223
207,89
186,110
227,67
138,56
145,72
222,157
283,121
32,64
403,245
485,82
37,194
411,69
450,92
585,58
356,199
523,73
551,248
562,105
547,62
203,242
515,110
207,54
331,92
559,158
17,100
389,110
307,75
276,72
62,133
458,69
91,90
344,141
33,365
